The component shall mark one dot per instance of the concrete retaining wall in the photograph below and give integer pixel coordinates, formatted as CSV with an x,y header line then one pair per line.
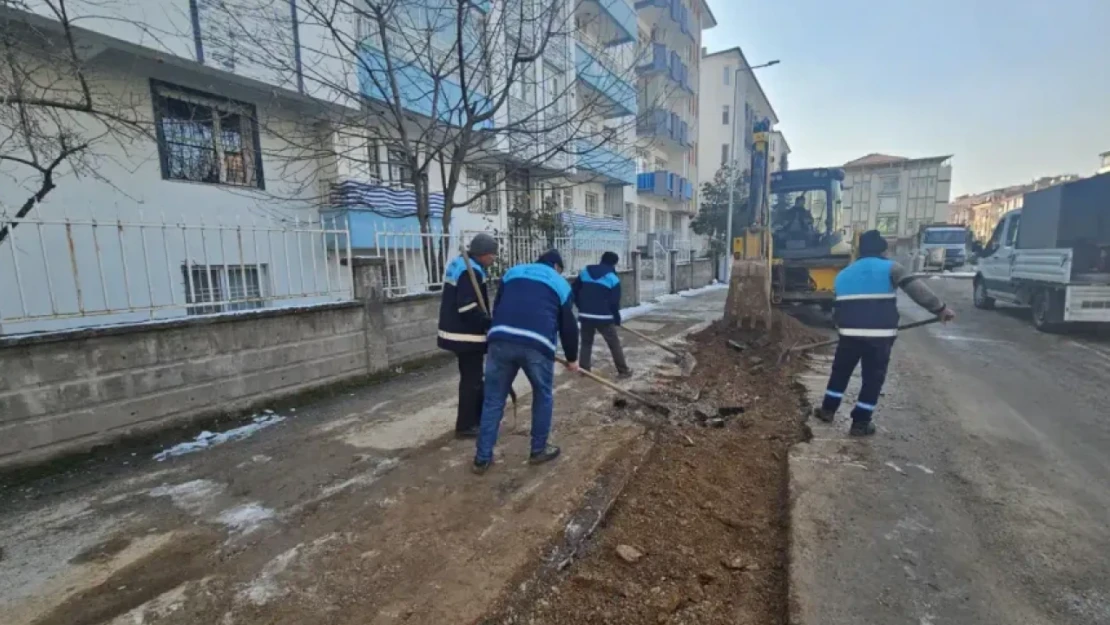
x,y
693,274
69,391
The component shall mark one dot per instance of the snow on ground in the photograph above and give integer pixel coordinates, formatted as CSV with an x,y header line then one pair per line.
x,y
207,439
648,307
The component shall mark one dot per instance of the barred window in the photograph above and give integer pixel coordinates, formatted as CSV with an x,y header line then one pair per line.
x,y
202,138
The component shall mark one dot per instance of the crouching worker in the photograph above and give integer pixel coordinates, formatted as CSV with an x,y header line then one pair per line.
x,y
866,313
463,325
533,309
597,294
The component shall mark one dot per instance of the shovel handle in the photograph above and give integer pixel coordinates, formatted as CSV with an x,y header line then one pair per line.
x,y
652,341
604,382
908,326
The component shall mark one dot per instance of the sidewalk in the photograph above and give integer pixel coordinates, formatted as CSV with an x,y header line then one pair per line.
x,y
354,509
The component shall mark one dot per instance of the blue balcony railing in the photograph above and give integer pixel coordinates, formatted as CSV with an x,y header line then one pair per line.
x,y
606,162
665,184
620,95
673,10
664,125
417,90
622,21
656,61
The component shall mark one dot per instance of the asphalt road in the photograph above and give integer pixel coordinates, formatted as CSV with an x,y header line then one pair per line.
x,y
985,498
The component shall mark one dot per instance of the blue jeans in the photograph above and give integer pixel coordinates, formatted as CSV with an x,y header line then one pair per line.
x,y
503,362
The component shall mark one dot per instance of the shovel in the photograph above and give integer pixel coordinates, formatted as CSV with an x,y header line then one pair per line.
x,y
485,308
659,408
685,360
812,346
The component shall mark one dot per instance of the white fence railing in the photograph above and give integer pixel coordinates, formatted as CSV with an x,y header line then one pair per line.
x,y
415,262
66,273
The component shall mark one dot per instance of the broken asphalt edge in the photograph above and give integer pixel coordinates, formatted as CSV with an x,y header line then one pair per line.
x,y
597,503
800,528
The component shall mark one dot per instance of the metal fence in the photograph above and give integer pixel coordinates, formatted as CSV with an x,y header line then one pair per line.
x,y
415,261
66,273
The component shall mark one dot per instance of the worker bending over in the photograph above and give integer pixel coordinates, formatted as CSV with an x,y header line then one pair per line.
x,y
866,313
597,294
463,323
533,309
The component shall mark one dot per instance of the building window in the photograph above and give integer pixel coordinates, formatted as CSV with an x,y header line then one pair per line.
x,y
724,116
889,184
399,171
724,154
211,289
206,139
568,200
374,160
643,216
482,183
660,164
592,207
887,225
728,74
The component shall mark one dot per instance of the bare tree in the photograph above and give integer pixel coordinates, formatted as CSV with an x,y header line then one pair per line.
x,y
53,113
470,94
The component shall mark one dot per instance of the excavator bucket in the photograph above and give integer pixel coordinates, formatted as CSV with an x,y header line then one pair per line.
x,y
749,295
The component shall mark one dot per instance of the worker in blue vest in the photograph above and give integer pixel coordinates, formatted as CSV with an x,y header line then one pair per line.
x,y
533,310
597,294
462,328
866,313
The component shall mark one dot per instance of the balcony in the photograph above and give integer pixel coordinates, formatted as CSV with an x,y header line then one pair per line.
x,y
368,208
617,95
667,11
615,19
665,127
662,62
605,162
416,88
664,184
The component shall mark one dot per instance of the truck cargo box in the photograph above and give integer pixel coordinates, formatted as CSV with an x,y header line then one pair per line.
x,y
1073,215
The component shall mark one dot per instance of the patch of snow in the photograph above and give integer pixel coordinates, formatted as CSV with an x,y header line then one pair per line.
x,y
265,588
924,469
895,467
207,439
193,497
246,518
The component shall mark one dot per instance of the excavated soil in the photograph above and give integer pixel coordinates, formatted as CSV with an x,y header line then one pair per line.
x,y
699,535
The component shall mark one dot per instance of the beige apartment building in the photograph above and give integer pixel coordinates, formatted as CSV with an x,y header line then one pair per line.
x,y
896,195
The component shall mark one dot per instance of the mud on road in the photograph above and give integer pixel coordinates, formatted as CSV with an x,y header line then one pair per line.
x,y
700,533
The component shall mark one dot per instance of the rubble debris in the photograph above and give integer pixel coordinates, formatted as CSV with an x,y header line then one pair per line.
x,y
730,411
629,553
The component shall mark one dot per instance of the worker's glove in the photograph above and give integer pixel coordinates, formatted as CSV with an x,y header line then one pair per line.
x,y
947,315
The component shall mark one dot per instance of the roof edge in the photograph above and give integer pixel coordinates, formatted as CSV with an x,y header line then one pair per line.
x,y
755,77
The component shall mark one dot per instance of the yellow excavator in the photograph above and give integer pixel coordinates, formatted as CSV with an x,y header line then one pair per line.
x,y
795,244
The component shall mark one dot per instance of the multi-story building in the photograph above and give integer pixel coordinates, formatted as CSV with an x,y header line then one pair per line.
x,y
729,83
665,197
981,212
1103,163
896,195
779,150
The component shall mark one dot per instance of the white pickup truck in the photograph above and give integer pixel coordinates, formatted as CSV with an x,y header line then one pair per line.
x,y
1053,254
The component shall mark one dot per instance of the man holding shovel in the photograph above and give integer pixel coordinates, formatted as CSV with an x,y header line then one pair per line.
x,y
463,323
532,311
866,313
597,294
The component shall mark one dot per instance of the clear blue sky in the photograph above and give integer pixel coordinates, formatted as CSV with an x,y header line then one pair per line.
x,y
1014,89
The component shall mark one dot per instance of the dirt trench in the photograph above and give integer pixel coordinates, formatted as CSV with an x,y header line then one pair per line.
x,y
700,534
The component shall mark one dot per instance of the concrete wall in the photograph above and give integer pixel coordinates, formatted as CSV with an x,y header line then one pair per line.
x,y
692,275
66,392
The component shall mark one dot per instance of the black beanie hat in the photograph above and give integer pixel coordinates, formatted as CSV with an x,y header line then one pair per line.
x,y
610,258
872,243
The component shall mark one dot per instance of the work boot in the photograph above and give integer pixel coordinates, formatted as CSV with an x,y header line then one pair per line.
x,y
471,432
828,416
862,428
481,466
549,453
624,375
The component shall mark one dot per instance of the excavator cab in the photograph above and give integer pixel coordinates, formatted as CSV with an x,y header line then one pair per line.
x,y
810,244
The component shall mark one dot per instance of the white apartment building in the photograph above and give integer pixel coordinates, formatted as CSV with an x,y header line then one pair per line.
x,y
896,195
779,150
1103,163
256,180
728,83
660,205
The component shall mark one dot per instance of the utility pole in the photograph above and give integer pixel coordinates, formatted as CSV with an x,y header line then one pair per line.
x,y
732,160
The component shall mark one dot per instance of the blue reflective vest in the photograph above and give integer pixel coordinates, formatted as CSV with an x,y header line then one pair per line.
x,y
597,294
462,324
534,308
866,299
